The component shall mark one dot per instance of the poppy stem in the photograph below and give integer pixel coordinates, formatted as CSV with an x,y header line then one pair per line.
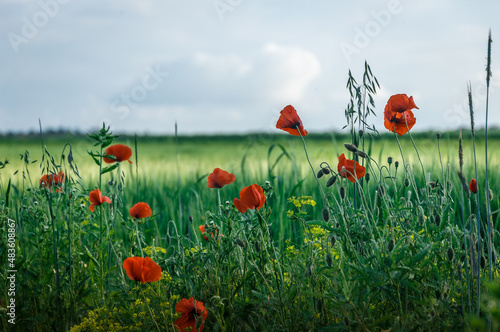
x,y
138,238
312,168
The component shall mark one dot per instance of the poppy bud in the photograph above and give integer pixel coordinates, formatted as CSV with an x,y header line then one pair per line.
x,y
438,135
493,258
325,214
320,174
450,253
367,177
351,147
329,260
326,170
389,160
240,242
190,219
361,133
407,182
342,192
390,245
437,219
396,164
483,262
331,181
333,240
362,154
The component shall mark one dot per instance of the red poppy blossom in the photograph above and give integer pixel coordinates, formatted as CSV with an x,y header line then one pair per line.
x,y
140,210
251,197
289,121
190,312
202,230
119,151
473,186
52,180
96,199
219,178
398,116
350,169
142,269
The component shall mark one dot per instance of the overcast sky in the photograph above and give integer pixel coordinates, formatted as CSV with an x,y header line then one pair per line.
x,y
230,66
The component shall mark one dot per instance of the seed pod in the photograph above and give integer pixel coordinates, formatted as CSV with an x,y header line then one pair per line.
x,y
329,260
362,154
326,170
483,262
396,164
437,219
450,253
342,192
326,214
333,240
351,147
320,174
390,245
331,181
367,177
389,160
240,242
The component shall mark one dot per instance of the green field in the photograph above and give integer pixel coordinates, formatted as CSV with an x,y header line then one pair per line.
x,y
387,266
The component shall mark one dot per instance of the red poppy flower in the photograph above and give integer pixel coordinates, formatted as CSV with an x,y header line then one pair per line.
x,y
52,180
289,121
350,169
219,178
140,210
202,230
473,186
398,116
251,197
142,269
190,312
119,151
96,199
400,103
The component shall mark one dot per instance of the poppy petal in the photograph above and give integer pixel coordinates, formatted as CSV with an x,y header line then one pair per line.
x,y
219,178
